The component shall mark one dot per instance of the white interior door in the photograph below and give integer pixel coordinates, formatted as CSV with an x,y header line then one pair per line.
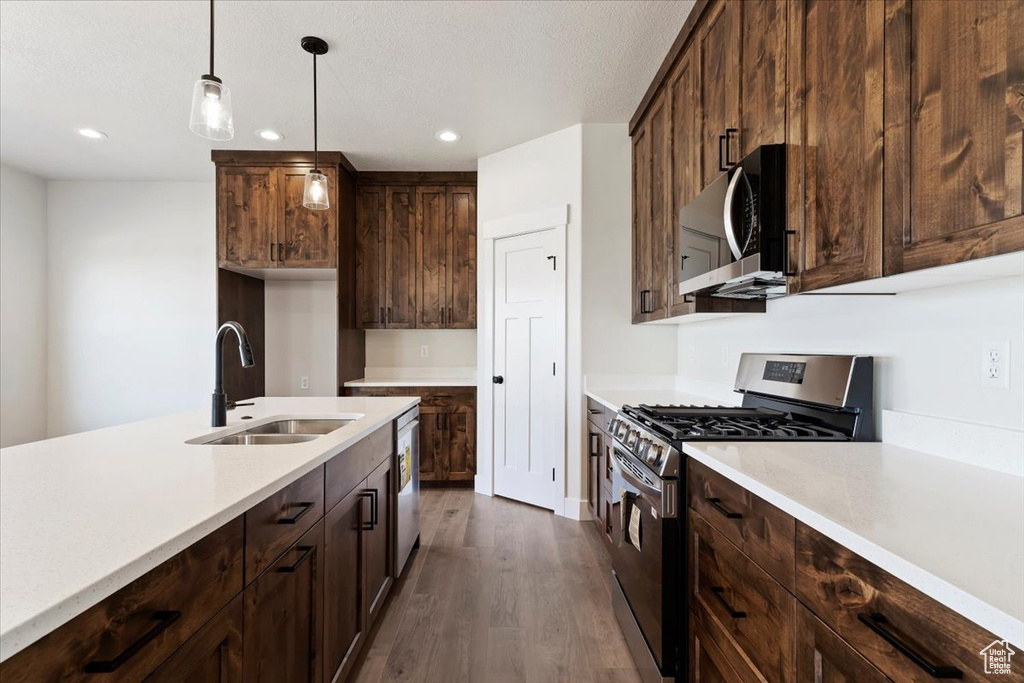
x,y
529,344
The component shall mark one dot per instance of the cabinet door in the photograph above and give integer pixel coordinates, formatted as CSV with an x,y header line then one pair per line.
x,y
344,611
247,217
824,657
954,109
433,448
762,74
684,94
379,538
719,51
370,265
431,276
283,619
708,663
214,655
308,238
400,257
835,63
460,434
461,285
662,203
595,476
642,237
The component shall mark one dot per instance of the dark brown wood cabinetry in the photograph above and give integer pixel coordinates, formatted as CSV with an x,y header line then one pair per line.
x,y
904,121
600,503
282,593
283,625
416,263
447,430
261,222
774,600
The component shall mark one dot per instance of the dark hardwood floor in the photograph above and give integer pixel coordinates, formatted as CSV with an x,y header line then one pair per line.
x,y
499,591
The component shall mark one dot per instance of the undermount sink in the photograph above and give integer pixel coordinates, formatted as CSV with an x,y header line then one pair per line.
x,y
250,439
296,430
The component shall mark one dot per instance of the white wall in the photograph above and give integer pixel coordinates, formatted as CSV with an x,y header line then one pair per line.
x,y
132,300
607,264
401,348
23,292
927,344
301,337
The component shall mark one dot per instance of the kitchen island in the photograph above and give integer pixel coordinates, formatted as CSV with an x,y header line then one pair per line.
x,y
84,516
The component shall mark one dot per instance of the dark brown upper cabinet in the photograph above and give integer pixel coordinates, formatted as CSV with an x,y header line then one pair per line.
x,y
261,222
416,251
719,51
954,121
652,187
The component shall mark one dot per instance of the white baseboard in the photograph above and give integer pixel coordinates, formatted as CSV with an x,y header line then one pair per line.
x,y
574,508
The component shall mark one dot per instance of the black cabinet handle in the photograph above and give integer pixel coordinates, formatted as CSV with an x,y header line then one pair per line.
x,y
442,315
437,420
719,592
721,156
381,315
728,136
271,251
450,319
164,618
876,622
595,450
447,420
645,298
306,507
368,526
280,251
388,319
682,262
688,299
785,253
374,501
498,379
290,569
725,512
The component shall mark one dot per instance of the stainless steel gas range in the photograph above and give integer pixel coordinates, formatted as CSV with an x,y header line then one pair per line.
x,y
785,398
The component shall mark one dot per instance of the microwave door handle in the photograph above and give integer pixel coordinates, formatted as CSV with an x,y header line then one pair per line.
x,y
730,228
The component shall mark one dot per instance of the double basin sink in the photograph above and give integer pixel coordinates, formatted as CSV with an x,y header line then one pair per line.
x,y
287,431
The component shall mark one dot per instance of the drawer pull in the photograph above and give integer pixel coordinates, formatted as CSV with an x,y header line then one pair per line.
x,y
290,569
591,411
719,592
876,622
725,512
306,507
164,618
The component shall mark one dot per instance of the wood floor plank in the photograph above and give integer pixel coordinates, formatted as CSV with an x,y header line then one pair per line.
x,y
499,592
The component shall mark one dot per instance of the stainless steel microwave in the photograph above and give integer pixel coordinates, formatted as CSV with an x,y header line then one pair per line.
x,y
733,234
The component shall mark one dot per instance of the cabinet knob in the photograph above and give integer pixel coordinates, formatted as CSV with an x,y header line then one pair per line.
x,y
498,379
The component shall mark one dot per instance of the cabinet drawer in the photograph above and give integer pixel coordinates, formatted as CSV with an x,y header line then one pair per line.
x,y
761,530
713,657
126,636
599,414
821,655
273,525
903,632
753,609
429,396
347,471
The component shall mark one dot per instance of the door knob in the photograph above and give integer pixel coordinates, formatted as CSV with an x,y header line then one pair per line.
x,y
498,379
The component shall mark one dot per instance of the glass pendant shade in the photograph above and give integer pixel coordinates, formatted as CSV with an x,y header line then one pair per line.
x,y
314,191
211,110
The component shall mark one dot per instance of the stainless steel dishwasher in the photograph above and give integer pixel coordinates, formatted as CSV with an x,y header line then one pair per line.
x,y
407,451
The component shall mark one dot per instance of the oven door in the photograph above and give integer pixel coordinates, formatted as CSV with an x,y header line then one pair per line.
x,y
637,552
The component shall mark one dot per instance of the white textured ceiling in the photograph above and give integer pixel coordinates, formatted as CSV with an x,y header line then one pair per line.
x,y
499,73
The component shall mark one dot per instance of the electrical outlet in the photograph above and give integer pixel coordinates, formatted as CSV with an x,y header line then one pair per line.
x,y
304,382
424,351
995,364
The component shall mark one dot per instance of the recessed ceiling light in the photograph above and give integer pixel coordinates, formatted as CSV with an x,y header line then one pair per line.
x,y
92,133
448,136
271,135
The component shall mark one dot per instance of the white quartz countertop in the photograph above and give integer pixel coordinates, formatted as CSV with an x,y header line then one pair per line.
x,y
83,515
412,382
953,531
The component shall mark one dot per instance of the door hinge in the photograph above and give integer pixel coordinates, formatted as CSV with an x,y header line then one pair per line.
x,y
552,369
554,262
552,474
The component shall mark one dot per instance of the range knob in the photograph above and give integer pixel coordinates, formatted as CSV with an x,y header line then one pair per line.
x,y
632,437
644,448
654,455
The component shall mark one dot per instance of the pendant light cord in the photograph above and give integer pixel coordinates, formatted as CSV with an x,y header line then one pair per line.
x,y
316,165
211,37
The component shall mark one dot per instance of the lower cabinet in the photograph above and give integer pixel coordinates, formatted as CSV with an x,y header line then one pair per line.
x,y
379,539
821,655
214,655
283,623
344,613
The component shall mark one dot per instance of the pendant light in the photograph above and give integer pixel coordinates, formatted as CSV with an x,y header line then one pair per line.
x,y
211,103
314,192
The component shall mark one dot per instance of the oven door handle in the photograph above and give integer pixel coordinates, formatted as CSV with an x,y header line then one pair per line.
x,y
730,228
653,493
